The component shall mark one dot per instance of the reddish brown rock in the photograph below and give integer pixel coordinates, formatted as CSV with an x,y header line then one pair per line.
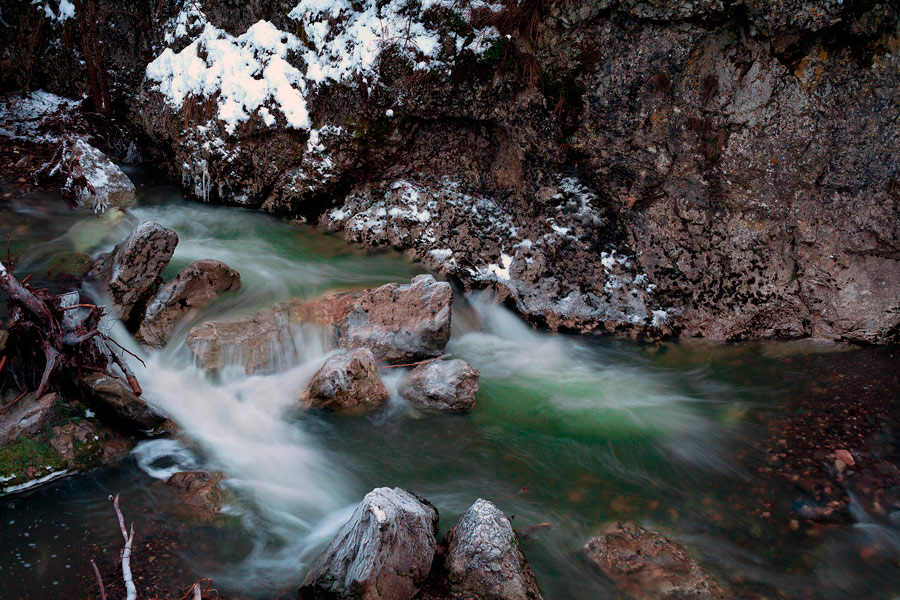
x,y
644,565
201,495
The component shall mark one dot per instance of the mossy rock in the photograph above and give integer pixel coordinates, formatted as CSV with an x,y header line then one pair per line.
x,y
73,264
25,460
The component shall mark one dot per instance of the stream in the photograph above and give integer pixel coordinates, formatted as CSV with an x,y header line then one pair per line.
x,y
570,433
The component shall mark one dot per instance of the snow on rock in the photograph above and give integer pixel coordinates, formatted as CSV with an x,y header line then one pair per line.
x,y
111,187
65,10
25,116
479,240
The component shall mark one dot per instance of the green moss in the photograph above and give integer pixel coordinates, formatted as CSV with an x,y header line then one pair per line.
x,y
17,457
88,454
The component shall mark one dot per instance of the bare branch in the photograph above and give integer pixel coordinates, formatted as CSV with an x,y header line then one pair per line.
x,y
99,580
131,590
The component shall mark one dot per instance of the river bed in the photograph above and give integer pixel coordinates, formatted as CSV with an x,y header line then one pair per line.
x,y
570,433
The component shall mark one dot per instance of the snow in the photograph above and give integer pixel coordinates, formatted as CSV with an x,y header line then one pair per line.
x,y
22,117
34,482
65,10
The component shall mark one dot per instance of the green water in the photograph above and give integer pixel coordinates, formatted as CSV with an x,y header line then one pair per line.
x,y
572,432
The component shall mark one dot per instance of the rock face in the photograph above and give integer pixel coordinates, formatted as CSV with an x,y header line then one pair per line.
x,y
447,385
130,273
346,381
483,557
384,552
111,186
106,395
646,566
201,496
397,322
195,286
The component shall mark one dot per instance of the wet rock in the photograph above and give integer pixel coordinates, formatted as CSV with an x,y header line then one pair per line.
x,y
484,558
4,335
200,493
111,186
130,273
74,265
384,552
195,286
447,385
397,322
644,565
110,397
348,380
26,417
261,343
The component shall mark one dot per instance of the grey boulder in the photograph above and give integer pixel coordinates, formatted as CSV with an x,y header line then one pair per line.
x,y
384,552
107,395
346,381
111,187
446,385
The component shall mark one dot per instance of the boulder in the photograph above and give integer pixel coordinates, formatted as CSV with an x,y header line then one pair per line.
x,y
483,557
26,417
346,381
644,565
384,552
108,396
201,496
398,323
261,343
111,186
130,273
72,265
195,286
447,385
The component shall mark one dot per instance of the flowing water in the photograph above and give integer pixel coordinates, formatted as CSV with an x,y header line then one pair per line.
x,y
569,434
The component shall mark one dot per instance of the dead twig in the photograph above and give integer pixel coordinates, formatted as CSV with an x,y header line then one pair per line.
x,y
2,363
421,362
525,532
99,580
130,589
19,397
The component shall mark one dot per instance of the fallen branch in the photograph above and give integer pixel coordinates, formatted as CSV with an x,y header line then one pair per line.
x,y
130,589
421,362
2,363
196,591
99,580
19,397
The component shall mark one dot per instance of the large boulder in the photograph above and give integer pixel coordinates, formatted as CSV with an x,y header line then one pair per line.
x,y
484,558
26,417
200,495
348,380
130,273
111,187
108,396
447,385
644,565
397,322
384,552
195,286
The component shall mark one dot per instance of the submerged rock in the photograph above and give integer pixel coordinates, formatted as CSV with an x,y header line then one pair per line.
x,y
108,396
130,273
644,565
195,286
111,186
200,493
261,343
346,381
447,385
384,552
484,558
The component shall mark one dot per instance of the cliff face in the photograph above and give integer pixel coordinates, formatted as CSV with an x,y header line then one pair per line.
x,y
705,168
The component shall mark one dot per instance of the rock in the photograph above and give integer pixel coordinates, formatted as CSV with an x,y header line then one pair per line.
x,y
261,343
111,186
130,273
195,286
71,264
644,565
384,552
398,323
201,495
346,381
447,385
484,558
26,417
845,456
4,335
108,396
